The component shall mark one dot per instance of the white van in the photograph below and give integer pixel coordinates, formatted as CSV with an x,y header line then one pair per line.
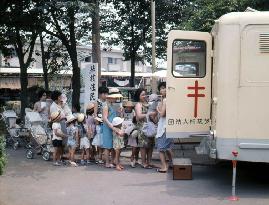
x,y
218,86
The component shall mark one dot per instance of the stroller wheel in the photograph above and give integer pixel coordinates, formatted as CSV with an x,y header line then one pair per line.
x,y
29,154
46,155
15,145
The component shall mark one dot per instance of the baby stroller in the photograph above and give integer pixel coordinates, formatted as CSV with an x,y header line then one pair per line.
x,y
40,137
16,135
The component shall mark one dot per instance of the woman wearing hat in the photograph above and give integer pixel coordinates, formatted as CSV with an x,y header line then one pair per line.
x,y
109,113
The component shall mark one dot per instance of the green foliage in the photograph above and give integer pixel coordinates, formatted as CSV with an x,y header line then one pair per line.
x,y
201,14
129,23
3,157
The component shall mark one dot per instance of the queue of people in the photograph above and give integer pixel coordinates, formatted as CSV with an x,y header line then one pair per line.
x,y
107,127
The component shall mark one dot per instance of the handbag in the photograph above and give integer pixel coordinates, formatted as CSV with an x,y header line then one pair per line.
x,y
149,129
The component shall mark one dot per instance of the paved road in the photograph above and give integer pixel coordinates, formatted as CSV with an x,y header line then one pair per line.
x,y
36,182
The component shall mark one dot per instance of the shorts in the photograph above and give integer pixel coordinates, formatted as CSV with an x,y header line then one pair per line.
x,y
57,143
84,143
71,143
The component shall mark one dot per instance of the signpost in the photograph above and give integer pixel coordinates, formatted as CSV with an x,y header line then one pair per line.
x,y
89,83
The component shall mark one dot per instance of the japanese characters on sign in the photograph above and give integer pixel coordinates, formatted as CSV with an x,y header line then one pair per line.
x,y
90,81
185,121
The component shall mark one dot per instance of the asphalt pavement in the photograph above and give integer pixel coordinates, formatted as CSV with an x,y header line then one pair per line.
x,y
37,182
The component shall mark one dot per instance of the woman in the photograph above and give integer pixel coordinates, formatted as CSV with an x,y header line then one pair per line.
x,y
110,111
144,143
164,145
42,107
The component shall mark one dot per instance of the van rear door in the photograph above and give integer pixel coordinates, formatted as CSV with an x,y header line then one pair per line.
x,y
188,83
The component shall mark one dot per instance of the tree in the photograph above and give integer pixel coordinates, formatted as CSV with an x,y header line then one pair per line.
x,y
201,14
96,46
131,22
19,28
68,21
54,57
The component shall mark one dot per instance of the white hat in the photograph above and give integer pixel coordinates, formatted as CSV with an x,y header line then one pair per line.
x,y
117,121
114,93
80,117
55,115
70,118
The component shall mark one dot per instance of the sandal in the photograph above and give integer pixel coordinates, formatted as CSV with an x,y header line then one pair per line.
x,y
118,168
109,166
122,167
132,164
161,171
146,166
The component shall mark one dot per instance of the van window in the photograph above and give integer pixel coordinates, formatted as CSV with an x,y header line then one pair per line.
x,y
189,58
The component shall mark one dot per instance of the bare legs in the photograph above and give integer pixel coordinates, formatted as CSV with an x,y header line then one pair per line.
x,y
119,167
106,156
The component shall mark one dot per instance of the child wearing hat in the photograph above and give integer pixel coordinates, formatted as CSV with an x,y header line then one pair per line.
x,y
73,139
129,129
57,137
118,141
97,140
91,127
84,136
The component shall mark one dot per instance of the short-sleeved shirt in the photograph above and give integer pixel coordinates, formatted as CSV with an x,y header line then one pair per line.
x,y
82,129
56,126
45,112
71,132
91,124
65,110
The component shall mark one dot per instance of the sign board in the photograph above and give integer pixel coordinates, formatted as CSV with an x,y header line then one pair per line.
x,y
89,83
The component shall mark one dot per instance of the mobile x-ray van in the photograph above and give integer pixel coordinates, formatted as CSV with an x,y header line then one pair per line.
x,y
218,86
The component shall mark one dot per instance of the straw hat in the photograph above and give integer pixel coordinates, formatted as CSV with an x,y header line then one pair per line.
x,y
80,117
70,118
127,104
90,106
55,115
114,93
117,121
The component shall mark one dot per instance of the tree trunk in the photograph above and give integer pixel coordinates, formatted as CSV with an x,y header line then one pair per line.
x,y
96,50
75,78
44,64
132,79
24,94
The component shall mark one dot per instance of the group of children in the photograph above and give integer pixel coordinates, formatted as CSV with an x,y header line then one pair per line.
x,y
84,132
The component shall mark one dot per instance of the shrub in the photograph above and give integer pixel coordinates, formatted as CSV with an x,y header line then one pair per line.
x,y
3,157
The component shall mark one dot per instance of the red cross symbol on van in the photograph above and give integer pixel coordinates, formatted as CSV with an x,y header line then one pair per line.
x,y
196,95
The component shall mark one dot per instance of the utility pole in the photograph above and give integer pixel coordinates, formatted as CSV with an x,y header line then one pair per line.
x,y
154,80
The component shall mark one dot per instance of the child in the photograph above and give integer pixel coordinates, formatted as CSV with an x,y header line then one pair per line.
x,y
118,141
129,130
72,141
97,140
57,137
152,108
84,138
91,127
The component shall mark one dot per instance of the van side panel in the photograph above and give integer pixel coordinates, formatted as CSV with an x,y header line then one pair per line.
x,y
228,52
